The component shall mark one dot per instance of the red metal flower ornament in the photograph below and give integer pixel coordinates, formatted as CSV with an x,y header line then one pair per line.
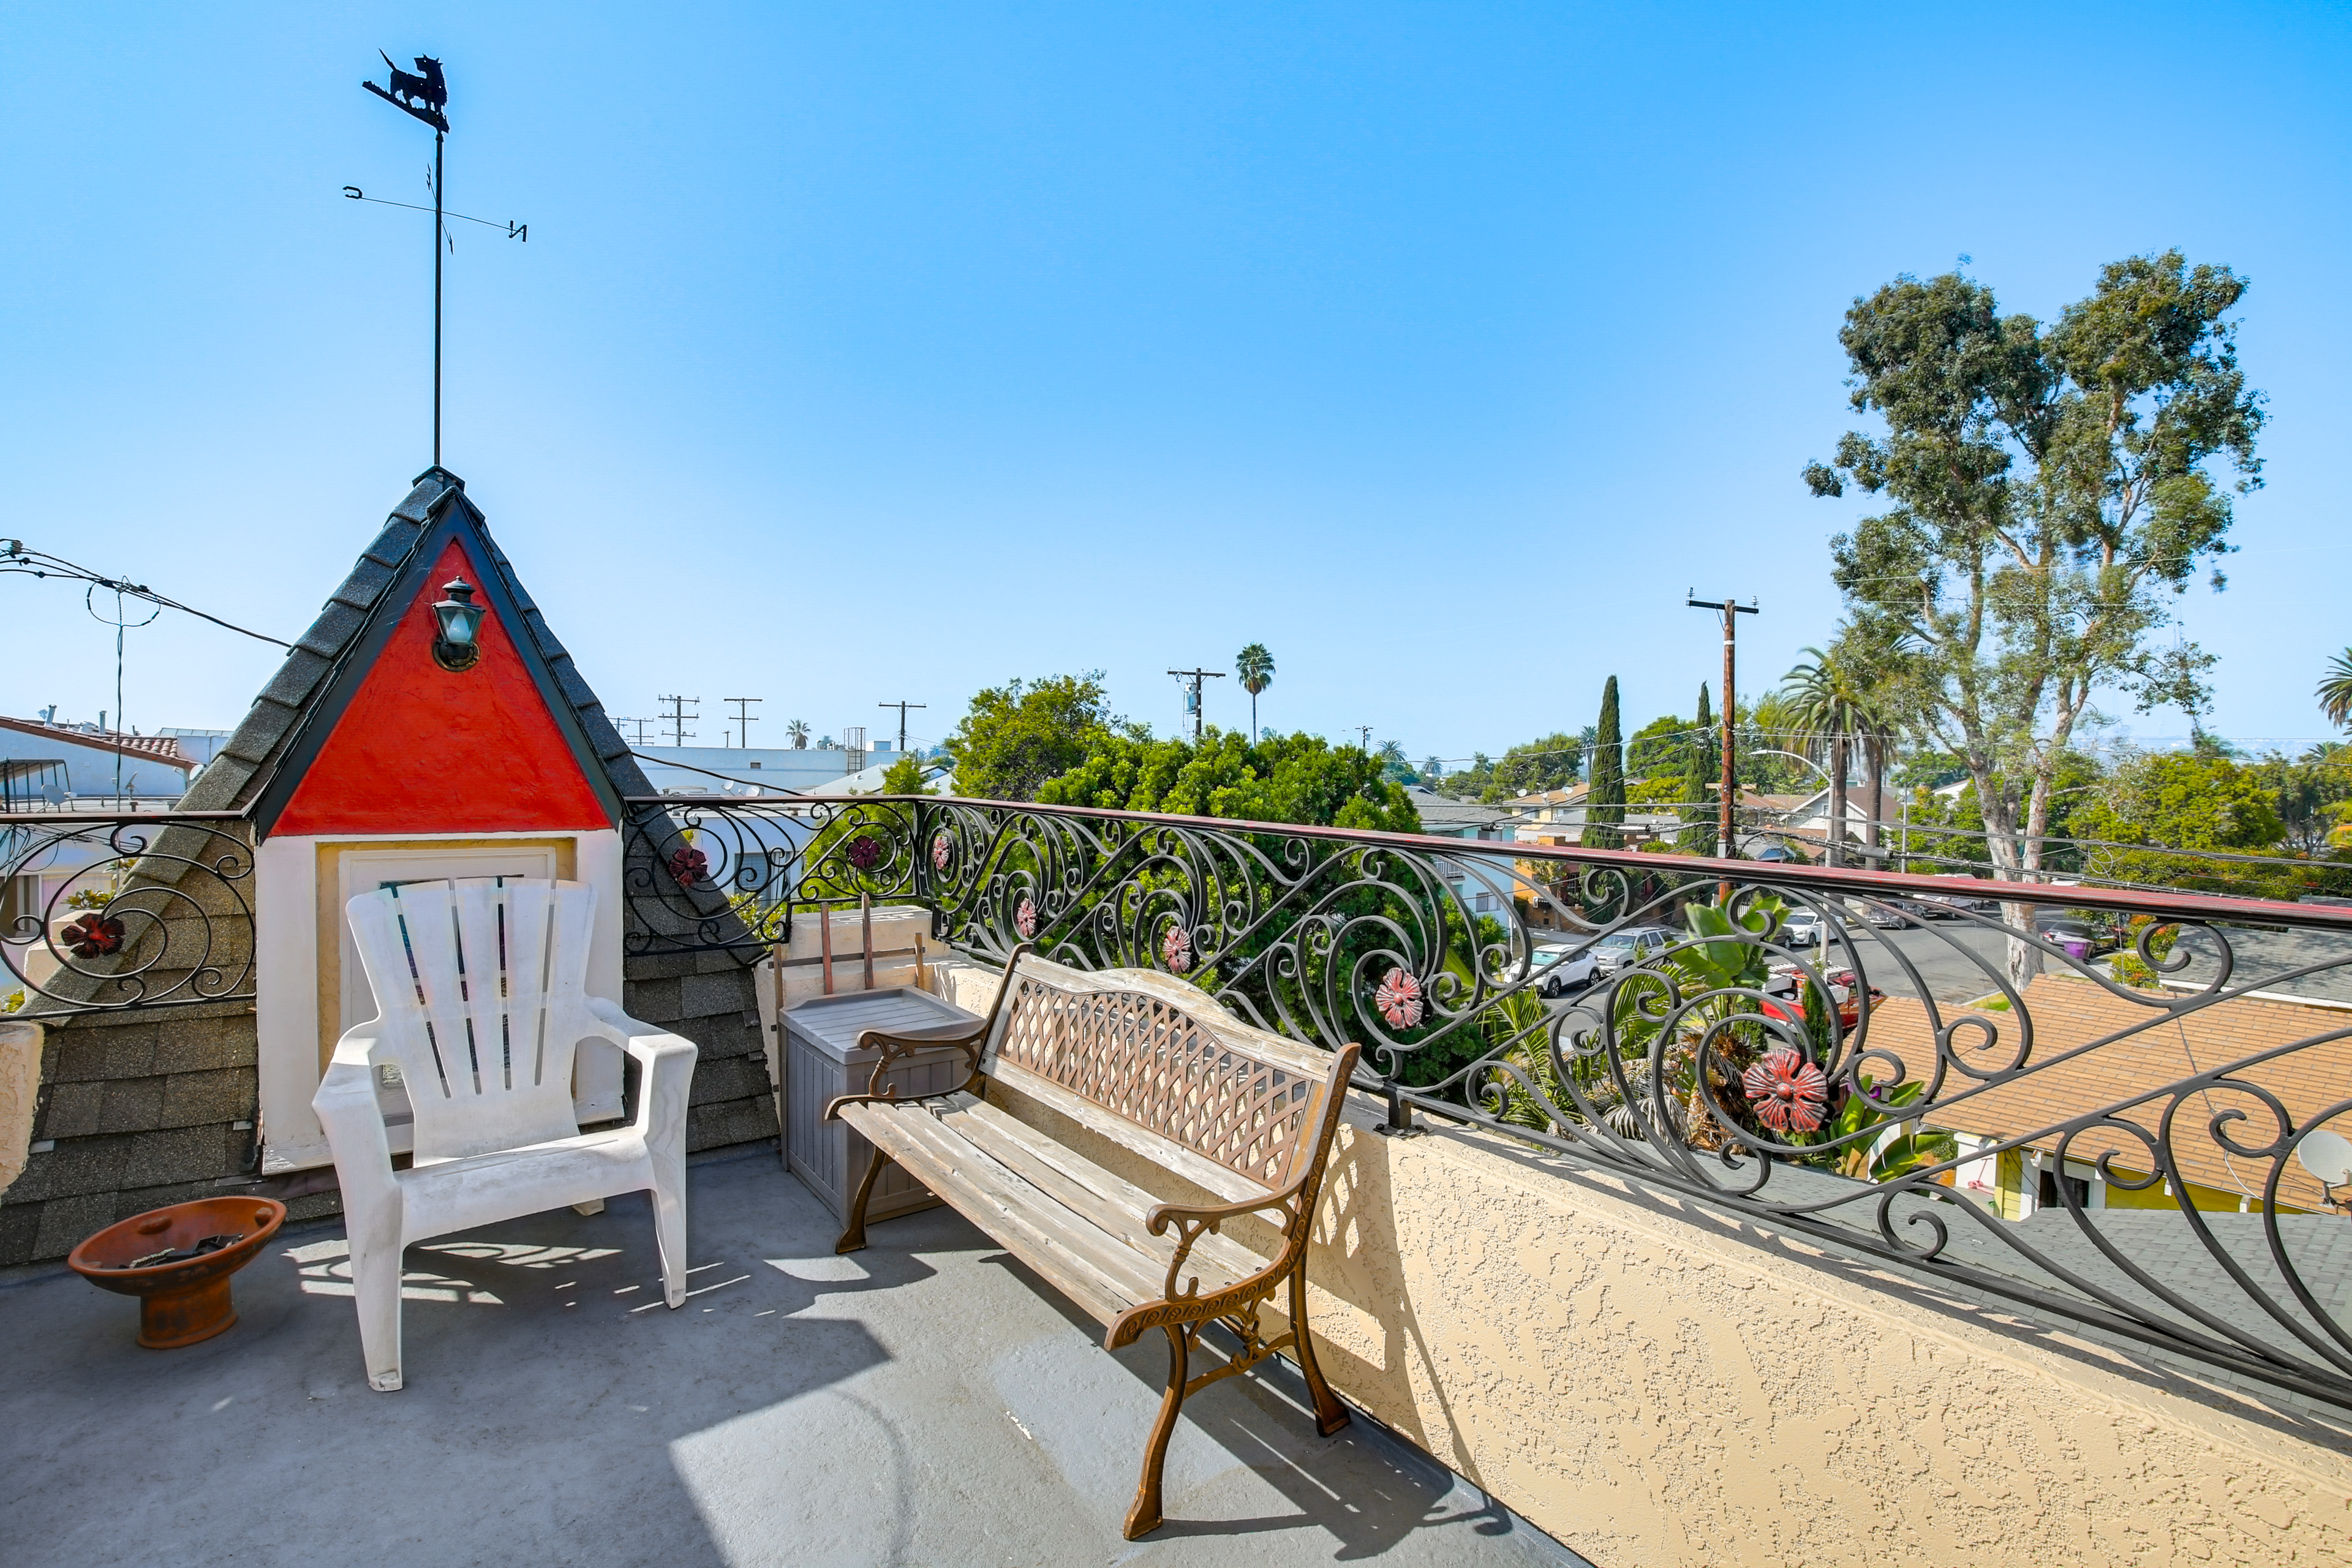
x,y
1786,1091
1177,948
93,936
865,852
690,865
1025,918
1399,999
941,849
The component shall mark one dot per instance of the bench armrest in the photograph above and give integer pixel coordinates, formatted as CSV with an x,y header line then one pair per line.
x,y
1191,1219
895,1045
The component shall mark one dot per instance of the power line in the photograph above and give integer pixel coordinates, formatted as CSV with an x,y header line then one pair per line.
x,y
17,560
1192,693
743,718
902,707
677,717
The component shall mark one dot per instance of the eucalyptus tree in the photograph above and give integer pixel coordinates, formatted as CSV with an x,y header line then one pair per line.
x,y
2051,488
1256,668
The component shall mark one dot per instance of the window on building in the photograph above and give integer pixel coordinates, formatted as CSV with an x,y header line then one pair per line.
x,y
755,767
2078,1187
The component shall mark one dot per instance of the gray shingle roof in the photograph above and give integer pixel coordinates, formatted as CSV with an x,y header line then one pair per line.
x,y
324,667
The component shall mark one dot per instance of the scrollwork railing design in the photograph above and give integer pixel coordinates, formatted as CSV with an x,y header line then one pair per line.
x,y
107,912
2154,1140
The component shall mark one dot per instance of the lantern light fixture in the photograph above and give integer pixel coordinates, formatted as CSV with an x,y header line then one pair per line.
x,y
456,641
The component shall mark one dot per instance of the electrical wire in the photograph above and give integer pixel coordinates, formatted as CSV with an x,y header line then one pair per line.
x,y
17,560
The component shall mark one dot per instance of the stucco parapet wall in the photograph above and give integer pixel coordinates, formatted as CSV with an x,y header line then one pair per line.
x,y
1657,1383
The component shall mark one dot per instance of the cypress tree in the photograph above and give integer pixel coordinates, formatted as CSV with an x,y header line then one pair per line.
x,y
1605,805
1700,771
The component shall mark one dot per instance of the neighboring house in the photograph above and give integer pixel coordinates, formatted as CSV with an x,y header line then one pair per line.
x,y
709,770
200,746
2070,1014
1807,817
1557,816
62,767
1443,816
92,764
1485,886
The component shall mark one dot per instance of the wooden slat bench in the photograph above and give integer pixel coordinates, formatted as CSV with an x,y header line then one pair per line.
x,y
1156,1066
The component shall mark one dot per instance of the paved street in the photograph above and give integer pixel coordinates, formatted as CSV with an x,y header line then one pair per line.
x,y
1957,961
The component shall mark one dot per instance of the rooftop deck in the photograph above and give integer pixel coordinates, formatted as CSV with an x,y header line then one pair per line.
x,y
927,1401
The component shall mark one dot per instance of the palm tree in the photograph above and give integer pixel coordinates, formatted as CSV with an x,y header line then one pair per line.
x,y
1432,770
797,734
2335,689
1256,667
1829,705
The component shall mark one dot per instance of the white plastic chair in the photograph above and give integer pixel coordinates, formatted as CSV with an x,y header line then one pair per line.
x,y
481,998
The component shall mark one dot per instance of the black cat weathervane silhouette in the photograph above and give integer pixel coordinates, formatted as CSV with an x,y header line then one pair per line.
x,y
424,94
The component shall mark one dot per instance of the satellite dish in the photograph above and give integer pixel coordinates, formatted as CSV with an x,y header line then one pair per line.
x,y
2329,1156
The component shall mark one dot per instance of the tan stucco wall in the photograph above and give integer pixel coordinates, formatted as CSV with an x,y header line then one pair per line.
x,y
1657,1384
20,1087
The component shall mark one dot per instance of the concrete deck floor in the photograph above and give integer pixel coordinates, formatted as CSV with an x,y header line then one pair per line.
x,y
925,1401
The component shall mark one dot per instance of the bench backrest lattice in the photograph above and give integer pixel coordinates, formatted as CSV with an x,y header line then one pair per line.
x,y
1247,1100
479,993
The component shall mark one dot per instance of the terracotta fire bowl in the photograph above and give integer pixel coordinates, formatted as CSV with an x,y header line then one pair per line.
x,y
183,1302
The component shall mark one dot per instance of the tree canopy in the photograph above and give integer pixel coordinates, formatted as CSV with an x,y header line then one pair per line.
x,y
1658,747
1294,778
2183,801
1018,735
2050,489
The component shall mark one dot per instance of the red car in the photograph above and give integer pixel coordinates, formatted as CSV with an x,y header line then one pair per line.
x,y
1850,1006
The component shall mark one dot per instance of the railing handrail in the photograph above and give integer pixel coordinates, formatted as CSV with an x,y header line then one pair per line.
x,y
1771,873
49,818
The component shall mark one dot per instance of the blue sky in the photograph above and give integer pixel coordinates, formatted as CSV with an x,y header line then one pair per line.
x,y
862,353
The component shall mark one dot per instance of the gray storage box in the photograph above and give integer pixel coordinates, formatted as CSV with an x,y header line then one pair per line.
x,y
822,1060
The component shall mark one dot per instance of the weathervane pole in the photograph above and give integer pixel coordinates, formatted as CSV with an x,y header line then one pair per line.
x,y
438,137
424,94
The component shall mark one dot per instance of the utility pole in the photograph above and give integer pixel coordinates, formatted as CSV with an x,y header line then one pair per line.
x,y
678,717
902,707
1190,681
1724,841
639,739
1365,745
744,718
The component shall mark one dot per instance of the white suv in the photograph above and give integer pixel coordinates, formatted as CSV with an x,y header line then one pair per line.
x,y
1563,968
1631,945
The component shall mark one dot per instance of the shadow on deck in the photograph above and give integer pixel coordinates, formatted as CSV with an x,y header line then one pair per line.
x,y
925,1401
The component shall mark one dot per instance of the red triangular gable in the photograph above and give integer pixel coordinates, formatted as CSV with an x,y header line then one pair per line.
x,y
420,749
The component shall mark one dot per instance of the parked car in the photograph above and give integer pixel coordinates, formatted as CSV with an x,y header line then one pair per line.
x,y
1886,914
1635,944
2079,936
1563,968
1945,906
1849,1000
1802,928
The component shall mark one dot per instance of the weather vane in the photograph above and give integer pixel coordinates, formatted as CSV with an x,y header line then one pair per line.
x,y
424,94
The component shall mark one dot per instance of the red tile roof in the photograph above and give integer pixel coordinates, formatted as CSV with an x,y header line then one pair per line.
x,y
161,748
2070,1013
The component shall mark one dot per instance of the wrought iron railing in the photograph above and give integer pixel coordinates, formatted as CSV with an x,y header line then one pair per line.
x,y
1851,1055
106,911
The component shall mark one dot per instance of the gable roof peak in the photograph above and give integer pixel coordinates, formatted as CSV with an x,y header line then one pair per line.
x,y
290,717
